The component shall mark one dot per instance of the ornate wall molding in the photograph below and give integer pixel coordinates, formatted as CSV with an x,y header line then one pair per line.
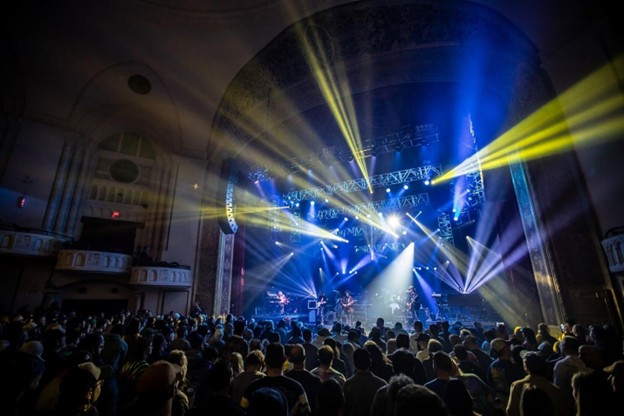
x,y
94,261
161,276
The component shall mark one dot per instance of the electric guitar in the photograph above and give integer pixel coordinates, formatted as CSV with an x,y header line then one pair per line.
x,y
348,305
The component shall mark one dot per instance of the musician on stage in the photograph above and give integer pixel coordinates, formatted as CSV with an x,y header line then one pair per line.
x,y
346,304
282,302
413,304
321,301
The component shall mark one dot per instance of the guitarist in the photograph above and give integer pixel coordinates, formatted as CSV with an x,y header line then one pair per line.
x,y
321,300
413,303
346,303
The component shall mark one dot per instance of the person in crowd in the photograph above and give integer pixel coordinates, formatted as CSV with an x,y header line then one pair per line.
x,y
418,400
568,366
292,390
457,399
535,402
184,395
325,370
483,358
330,398
609,346
616,379
544,335
537,375
254,363
502,372
268,401
21,371
593,395
359,389
156,391
338,363
311,350
78,391
219,401
236,343
417,329
381,365
180,342
433,346
383,401
48,395
131,370
466,365
442,366
308,381
113,354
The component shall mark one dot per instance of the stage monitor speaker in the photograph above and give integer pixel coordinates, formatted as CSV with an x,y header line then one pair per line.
x,y
312,316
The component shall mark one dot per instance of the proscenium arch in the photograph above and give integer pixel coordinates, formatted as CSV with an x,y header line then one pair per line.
x,y
378,45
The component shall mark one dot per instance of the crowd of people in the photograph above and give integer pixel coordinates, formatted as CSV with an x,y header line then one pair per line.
x,y
55,363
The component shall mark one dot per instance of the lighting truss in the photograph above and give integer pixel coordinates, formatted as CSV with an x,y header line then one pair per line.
x,y
445,227
405,138
420,173
377,206
274,214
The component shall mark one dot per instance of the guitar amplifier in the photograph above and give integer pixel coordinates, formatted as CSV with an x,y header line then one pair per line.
x,y
312,304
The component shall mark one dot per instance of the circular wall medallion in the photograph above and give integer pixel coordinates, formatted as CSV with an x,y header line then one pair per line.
x,y
124,171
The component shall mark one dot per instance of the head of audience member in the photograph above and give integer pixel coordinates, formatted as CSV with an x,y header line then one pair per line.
x,y
534,402
297,356
79,389
325,356
402,340
178,357
334,345
361,359
158,386
590,355
501,348
580,333
457,399
442,365
418,326
461,352
546,350
534,364
422,341
433,346
306,333
254,361
569,345
616,377
414,399
268,401
330,398
275,356
403,362
353,336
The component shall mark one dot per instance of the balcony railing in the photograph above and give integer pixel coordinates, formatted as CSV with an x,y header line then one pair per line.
x,y
161,276
31,243
94,261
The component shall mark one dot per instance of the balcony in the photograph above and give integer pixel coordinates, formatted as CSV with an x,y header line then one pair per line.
x,y
93,261
161,275
27,242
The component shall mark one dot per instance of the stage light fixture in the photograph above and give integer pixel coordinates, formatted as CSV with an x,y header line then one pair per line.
x,y
405,187
387,190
